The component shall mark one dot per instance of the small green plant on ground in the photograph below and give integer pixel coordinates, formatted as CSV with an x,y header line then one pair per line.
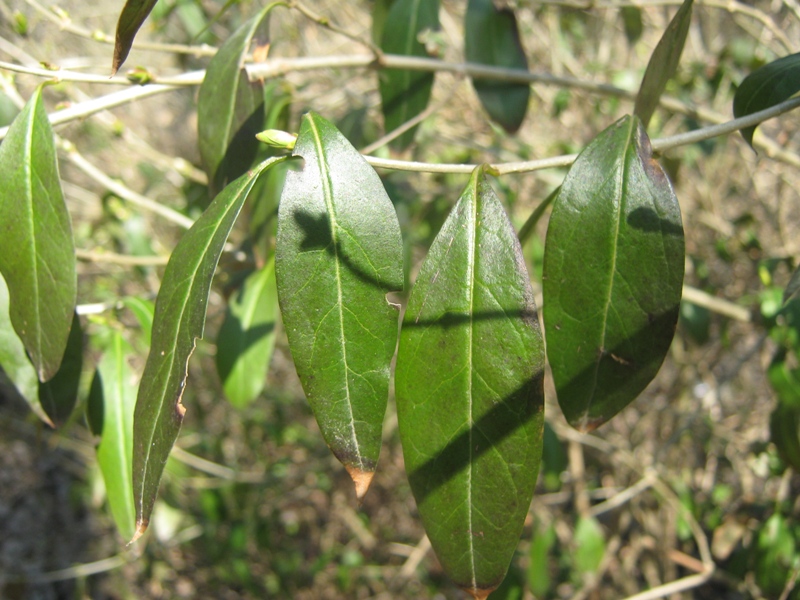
x,y
327,260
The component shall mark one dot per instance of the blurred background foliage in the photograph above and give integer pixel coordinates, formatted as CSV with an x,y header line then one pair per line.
x,y
252,504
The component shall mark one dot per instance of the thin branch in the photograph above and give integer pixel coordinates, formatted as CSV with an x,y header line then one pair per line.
x,y
120,189
121,259
720,306
61,18
59,75
326,22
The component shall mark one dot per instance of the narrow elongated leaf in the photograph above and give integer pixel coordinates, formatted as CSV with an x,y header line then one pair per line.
x,y
110,410
339,252
663,63
130,20
405,94
247,337
230,107
14,362
144,311
469,387
179,321
613,273
59,395
37,253
765,87
491,37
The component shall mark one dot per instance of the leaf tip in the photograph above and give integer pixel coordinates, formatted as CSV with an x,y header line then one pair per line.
x,y
480,593
361,479
141,527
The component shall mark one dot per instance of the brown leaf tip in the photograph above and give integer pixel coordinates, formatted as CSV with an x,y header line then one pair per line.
x,y
480,594
141,527
362,480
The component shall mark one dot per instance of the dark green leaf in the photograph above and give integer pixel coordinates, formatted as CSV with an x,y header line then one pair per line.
x,y
179,321
130,20
469,391
613,274
784,430
775,556
247,337
632,22
380,11
765,87
230,107
59,395
405,94
339,252
110,409
491,37
14,363
554,460
793,287
37,253
663,63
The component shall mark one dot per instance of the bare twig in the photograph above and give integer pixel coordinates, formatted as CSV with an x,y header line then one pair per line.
x,y
121,259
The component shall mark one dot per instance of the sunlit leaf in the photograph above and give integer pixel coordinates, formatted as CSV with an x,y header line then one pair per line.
x,y
59,395
14,362
405,94
339,252
613,275
179,321
247,337
663,63
144,311
491,37
37,253
765,87
130,20
539,578
469,387
110,413
230,107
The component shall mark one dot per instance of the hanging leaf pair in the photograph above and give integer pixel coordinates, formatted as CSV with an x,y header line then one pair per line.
x,y
471,358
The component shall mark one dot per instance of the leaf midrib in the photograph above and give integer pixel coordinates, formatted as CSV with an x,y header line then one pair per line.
x,y
610,290
328,196
470,420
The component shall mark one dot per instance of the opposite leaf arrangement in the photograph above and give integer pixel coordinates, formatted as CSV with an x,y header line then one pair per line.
x,y
471,356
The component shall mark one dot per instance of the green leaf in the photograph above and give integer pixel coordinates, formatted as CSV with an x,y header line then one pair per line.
x,y
765,87
792,288
179,321
130,20
529,226
247,337
14,363
110,410
405,94
230,107
37,253
491,37
784,430
469,387
613,274
339,252
59,395
144,311
663,63
632,23
380,11
590,545
539,578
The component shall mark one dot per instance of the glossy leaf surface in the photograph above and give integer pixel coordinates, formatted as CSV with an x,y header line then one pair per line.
x,y
491,37
247,337
765,87
405,94
469,387
613,275
14,362
230,107
663,63
339,252
179,321
59,395
112,398
130,20
37,253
